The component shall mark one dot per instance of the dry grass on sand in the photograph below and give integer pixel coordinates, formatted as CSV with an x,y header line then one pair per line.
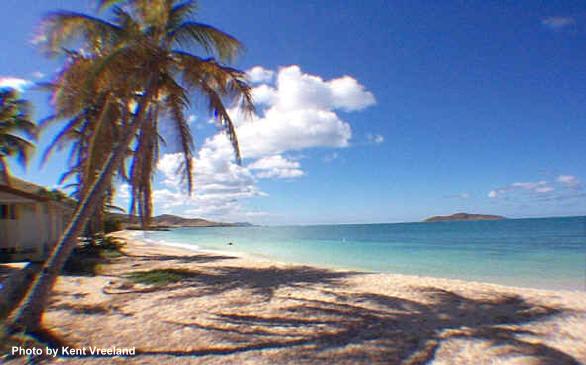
x,y
183,307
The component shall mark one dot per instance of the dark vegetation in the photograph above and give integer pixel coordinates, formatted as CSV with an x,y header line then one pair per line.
x,y
159,276
464,217
91,253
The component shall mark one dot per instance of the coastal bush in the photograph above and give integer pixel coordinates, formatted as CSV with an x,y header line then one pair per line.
x,y
112,225
91,253
159,277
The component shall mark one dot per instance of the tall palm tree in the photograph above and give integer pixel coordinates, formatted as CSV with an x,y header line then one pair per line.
x,y
15,127
137,71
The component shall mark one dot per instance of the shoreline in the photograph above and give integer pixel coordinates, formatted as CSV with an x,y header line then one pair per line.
x,y
225,309
190,249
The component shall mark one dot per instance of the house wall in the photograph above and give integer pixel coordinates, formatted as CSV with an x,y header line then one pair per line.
x,y
11,198
37,228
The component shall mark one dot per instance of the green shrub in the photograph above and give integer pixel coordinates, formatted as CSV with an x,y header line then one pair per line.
x,y
159,276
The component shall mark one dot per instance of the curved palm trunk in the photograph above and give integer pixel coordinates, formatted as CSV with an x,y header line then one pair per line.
x,y
29,314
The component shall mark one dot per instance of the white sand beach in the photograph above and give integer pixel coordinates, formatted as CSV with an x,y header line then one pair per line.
x,y
242,310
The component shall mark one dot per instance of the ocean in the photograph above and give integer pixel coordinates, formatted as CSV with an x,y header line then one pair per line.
x,y
544,253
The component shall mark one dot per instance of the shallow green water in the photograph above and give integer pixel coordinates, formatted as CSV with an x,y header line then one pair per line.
x,y
545,253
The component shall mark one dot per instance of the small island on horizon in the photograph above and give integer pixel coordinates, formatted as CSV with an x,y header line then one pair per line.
x,y
464,217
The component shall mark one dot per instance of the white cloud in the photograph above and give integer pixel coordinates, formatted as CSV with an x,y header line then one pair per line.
x,y
264,95
300,112
14,83
276,167
349,95
279,131
569,181
543,189
38,74
298,90
538,187
258,74
530,185
562,188
296,111
219,185
558,22
375,138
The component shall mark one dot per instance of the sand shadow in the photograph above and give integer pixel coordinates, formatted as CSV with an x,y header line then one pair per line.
x,y
343,327
261,282
7,270
198,259
347,328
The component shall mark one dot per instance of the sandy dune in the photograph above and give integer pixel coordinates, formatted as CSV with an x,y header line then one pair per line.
x,y
230,310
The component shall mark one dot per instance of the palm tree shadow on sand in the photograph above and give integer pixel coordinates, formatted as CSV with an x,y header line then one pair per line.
x,y
380,329
343,327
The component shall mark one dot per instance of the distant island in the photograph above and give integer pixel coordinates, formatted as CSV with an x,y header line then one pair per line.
x,y
464,217
165,221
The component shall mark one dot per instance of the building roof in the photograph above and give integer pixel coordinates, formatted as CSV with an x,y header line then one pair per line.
x,y
24,194
30,190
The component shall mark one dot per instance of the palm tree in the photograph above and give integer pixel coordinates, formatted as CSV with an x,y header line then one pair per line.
x,y
15,127
133,72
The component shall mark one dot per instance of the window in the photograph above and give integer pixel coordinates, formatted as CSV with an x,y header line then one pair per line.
x,y
8,211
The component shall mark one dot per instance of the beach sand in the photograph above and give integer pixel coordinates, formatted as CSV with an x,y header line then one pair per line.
x,y
243,310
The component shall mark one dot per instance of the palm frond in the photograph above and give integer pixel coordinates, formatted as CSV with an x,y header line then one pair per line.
x,y
63,27
105,4
65,135
212,40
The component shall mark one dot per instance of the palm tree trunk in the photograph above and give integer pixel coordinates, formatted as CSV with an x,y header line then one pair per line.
x,y
29,314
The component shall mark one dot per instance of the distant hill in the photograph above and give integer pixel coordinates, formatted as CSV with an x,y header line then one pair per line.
x,y
464,217
170,220
174,221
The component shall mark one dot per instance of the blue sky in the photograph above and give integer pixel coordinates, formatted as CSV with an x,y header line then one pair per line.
x,y
377,111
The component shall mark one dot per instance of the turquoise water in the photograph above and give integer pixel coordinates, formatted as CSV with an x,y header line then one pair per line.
x,y
548,253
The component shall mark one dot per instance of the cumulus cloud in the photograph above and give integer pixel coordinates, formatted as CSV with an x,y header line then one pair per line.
x,y
561,188
300,90
558,22
276,167
219,185
263,95
300,112
295,111
14,83
258,74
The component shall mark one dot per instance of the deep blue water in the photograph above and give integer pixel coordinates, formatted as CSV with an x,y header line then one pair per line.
x,y
547,253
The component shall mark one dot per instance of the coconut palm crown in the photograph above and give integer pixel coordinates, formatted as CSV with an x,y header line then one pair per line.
x,y
102,82
123,78
16,128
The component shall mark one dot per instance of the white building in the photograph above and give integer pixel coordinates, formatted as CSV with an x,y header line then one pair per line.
x,y
30,222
